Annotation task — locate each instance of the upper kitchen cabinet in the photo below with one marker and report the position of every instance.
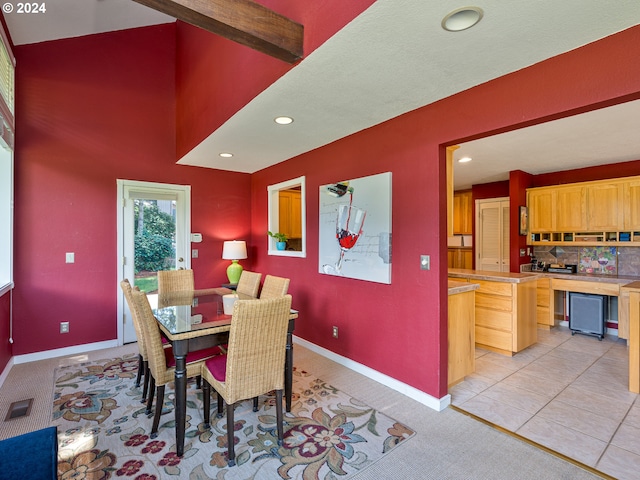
(542, 206)
(592, 213)
(290, 213)
(631, 200)
(571, 209)
(605, 206)
(463, 213)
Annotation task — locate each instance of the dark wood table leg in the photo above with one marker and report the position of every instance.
(288, 372)
(180, 349)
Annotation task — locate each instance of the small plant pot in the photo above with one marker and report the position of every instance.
(281, 245)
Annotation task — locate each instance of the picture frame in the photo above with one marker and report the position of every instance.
(524, 220)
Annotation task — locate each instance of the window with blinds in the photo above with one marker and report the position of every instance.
(7, 74)
(7, 77)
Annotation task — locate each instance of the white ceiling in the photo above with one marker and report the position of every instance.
(391, 59)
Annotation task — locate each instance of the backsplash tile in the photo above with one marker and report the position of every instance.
(627, 258)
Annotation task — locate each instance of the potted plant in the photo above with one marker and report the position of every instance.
(281, 239)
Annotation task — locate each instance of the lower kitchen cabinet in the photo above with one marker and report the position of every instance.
(544, 314)
(460, 257)
(461, 333)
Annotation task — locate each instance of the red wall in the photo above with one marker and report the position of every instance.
(399, 329)
(92, 110)
(217, 77)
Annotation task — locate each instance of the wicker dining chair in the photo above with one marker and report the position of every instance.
(143, 363)
(274, 287)
(249, 283)
(161, 365)
(254, 363)
(175, 281)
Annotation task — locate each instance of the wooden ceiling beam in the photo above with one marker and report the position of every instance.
(242, 21)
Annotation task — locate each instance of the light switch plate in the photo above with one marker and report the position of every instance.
(70, 257)
(425, 262)
(194, 253)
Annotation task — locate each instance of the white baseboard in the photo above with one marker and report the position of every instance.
(5, 372)
(61, 352)
(437, 404)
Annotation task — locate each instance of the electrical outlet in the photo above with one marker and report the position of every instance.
(335, 332)
(64, 327)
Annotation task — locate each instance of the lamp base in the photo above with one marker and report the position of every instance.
(234, 271)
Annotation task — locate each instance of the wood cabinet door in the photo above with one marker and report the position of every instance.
(571, 209)
(605, 210)
(631, 192)
(296, 215)
(462, 213)
(541, 205)
(451, 258)
(467, 259)
(285, 213)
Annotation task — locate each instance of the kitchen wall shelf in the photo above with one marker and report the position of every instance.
(627, 238)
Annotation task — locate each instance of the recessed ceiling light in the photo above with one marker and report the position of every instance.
(462, 18)
(226, 155)
(283, 120)
(464, 160)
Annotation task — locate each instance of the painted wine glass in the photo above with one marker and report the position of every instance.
(602, 260)
(349, 225)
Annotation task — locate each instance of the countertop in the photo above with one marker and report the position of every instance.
(632, 286)
(506, 277)
(461, 287)
(590, 277)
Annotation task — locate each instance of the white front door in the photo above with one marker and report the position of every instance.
(154, 223)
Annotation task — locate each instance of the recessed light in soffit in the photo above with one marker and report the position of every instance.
(462, 18)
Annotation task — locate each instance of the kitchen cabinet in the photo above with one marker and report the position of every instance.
(605, 202)
(505, 310)
(603, 212)
(461, 331)
(631, 200)
(460, 257)
(290, 213)
(542, 205)
(463, 213)
(571, 209)
(544, 316)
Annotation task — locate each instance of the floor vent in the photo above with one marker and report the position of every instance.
(19, 409)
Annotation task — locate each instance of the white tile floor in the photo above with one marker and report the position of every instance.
(567, 393)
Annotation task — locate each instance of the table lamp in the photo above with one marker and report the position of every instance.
(234, 250)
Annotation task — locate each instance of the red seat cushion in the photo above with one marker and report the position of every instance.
(218, 367)
(192, 357)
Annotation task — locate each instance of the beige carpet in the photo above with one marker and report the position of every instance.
(447, 444)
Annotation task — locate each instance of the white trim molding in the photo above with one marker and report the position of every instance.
(434, 403)
(61, 352)
(5, 372)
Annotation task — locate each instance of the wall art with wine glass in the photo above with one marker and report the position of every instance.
(355, 228)
(598, 260)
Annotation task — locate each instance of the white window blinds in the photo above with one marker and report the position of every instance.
(7, 77)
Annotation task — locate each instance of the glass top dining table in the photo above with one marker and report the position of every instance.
(192, 320)
(187, 314)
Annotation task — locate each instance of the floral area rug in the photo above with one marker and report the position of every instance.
(103, 431)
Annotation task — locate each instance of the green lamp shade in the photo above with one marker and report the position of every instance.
(234, 271)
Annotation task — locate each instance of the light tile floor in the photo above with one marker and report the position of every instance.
(567, 393)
